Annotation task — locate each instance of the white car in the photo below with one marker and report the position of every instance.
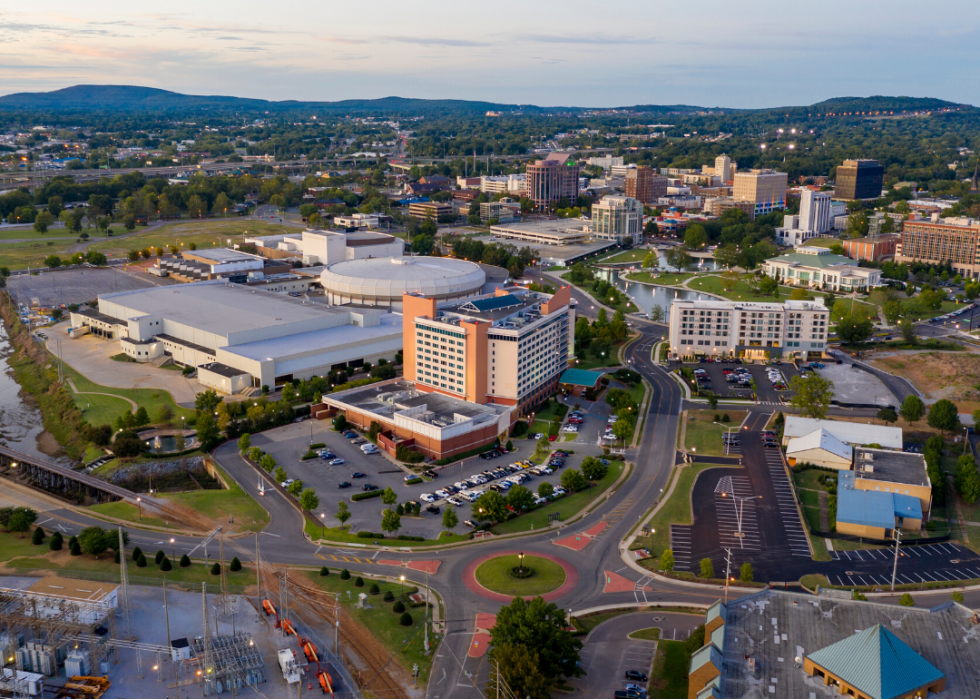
(540, 501)
(288, 482)
(454, 502)
(427, 497)
(369, 449)
(475, 495)
(539, 435)
(558, 490)
(545, 470)
(337, 462)
(460, 485)
(442, 494)
(570, 429)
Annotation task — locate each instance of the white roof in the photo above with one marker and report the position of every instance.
(820, 439)
(390, 277)
(848, 432)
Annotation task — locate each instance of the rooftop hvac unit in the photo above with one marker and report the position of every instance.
(868, 468)
(868, 456)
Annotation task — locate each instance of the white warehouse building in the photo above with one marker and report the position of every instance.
(240, 337)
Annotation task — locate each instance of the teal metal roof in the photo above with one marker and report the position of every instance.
(705, 655)
(493, 303)
(580, 377)
(819, 261)
(718, 609)
(878, 663)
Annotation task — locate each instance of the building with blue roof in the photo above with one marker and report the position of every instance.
(874, 514)
(577, 381)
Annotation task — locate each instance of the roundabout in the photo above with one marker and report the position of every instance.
(510, 574)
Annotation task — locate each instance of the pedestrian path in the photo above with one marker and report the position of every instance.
(579, 541)
(790, 515)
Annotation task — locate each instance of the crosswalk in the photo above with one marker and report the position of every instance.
(792, 526)
(769, 402)
(738, 527)
(617, 514)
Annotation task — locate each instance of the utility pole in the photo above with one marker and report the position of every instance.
(258, 567)
(426, 646)
(728, 570)
(336, 628)
(898, 540)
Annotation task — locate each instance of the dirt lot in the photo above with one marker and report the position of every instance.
(952, 375)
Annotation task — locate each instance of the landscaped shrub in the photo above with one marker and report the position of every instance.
(159, 557)
(166, 565)
(388, 596)
(55, 543)
(367, 495)
(38, 537)
(398, 607)
(137, 552)
(216, 569)
(359, 581)
(75, 550)
(374, 589)
(141, 561)
(72, 541)
(324, 572)
(345, 574)
(405, 619)
(236, 565)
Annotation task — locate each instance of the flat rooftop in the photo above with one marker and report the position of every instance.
(385, 399)
(318, 340)
(890, 466)
(219, 307)
(774, 628)
(494, 308)
(553, 228)
(854, 433)
(221, 255)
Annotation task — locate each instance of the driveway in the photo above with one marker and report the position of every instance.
(90, 356)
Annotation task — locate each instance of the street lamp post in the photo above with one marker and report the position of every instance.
(520, 562)
(739, 504)
(139, 505)
(323, 526)
(401, 587)
(172, 553)
(729, 432)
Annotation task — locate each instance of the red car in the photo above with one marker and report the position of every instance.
(552, 438)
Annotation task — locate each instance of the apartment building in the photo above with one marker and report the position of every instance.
(606, 162)
(859, 179)
(551, 179)
(503, 211)
(716, 206)
(765, 188)
(872, 247)
(821, 269)
(941, 240)
(723, 168)
(816, 209)
(507, 348)
(753, 330)
(645, 185)
(618, 218)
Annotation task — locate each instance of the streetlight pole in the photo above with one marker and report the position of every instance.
(139, 505)
(739, 505)
(401, 588)
(323, 526)
(172, 553)
(729, 432)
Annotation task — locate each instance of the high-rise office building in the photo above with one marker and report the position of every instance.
(723, 168)
(941, 240)
(618, 218)
(815, 211)
(859, 179)
(645, 185)
(765, 188)
(551, 179)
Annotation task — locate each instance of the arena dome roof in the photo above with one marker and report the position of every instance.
(389, 277)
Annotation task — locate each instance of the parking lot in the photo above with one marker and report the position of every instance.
(765, 390)
(942, 562)
(593, 425)
(287, 444)
(74, 286)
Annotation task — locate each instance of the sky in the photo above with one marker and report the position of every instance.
(568, 53)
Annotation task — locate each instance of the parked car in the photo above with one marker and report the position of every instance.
(636, 675)
(469, 523)
(369, 487)
(434, 509)
(358, 474)
(427, 497)
(345, 484)
(337, 462)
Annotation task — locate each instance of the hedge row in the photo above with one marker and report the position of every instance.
(367, 495)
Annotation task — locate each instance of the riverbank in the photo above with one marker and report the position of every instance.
(37, 374)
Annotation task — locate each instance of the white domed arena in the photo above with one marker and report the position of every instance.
(382, 281)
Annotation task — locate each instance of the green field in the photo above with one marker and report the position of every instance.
(822, 242)
(126, 511)
(340, 535)
(677, 509)
(495, 576)
(567, 507)
(662, 279)
(221, 504)
(668, 679)
(405, 643)
(100, 410)
(205, 233)
(626, 256)
(646, 635)
(703, 436)
(24, 255)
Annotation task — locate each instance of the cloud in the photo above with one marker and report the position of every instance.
(594, 40)
(434, 41)
(341, 40)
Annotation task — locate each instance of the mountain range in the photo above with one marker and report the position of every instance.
(136, 99)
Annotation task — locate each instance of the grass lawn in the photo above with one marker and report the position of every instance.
(810, 498)
(822, 242)
(662, 279)
(626, 306)
(126, 511)
(220, 504)
(677, 509)
(24, 255)
(590, 361)
(100, 410)
(703, 436)
(668, 679)
(495, 575)
(341, 535)
(567, 507)
(205, 233)
(626, 256)
(404, 642)
(646, 635)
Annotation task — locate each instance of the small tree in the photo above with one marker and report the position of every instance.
(280, 474)
(405, 619)
(745, 573)
(142, 417)
(944, 416)
(958, 597)
(166, 565)
(545, 490)
(510, 445)
(137, 552)
(390, 522)
(56, 541)
(906, 600)
(38, 538)
(75, 549)
(667, 561)
(140, 562)
(159, 557)
(389, 497)
(374, 589)
(216, 569)
(324, 572)
(449, 518)
(358, 581)
(713, 401)
(343, 512)
(912, 409)
(185, 561)
(345, 574)
(309, 500)
(244, 442)
(707, 568)
(398, 607)
(236, 565)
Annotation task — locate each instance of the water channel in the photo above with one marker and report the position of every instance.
(646, 296)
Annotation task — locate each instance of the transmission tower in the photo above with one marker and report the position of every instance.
(124, 589)
(224, 603)
(283, 601)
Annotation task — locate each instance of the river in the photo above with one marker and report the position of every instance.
(21, 423)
